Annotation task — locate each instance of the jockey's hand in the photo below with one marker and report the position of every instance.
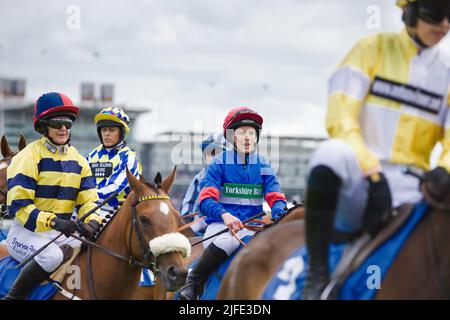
(437, 183)
(379, 203)
(89, 230)
(267, 219)
(277, 215)
(233, 223)
(67, 227)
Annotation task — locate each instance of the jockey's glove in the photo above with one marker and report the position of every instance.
(379, 203)
(67, 227)
(437, 183)
(278, 214)
(89, 230)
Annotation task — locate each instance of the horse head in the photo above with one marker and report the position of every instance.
(7, 154)
(157, 221)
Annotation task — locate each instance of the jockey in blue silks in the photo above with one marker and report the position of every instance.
(236, 184)
(213, 144)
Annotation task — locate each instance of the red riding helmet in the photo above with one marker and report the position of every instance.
(242, 116)
(51, 105)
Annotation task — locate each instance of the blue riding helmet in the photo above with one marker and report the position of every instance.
(214, 142)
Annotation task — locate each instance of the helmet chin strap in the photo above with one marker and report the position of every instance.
(413, 34)
(118, 144)
(419, 42)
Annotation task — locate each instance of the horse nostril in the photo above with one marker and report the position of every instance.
(174, 273)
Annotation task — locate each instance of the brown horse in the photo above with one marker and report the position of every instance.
(142, 232)
(7, 154)
(421, 269)
(254, 265)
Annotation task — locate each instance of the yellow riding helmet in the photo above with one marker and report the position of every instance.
(113, 114)
(402, 3)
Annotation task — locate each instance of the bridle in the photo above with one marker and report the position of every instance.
(3, 206)
(148, 263)
(149, 259)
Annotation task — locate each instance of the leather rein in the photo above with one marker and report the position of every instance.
(149, 261)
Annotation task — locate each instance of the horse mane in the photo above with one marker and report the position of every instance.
(153, 186)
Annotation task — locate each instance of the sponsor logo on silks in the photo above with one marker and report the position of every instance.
(102, 169)
(245, 191)
(407, 94)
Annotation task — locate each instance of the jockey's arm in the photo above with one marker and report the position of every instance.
(118, 180)
(444, 160)
(272, 191)
(210, 192)
(189, 200)
(22, 177)
(87, 197)
(348, 87)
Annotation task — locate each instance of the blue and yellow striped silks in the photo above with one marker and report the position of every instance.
(44, 182)
(112, 176)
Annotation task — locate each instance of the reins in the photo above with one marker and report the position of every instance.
(147, 263)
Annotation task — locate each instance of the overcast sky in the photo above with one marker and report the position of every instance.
(189, 61)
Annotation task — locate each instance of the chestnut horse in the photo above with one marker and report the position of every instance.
(7, 154)
(253, 266)
(295, 213)
(144, 232)
(421, 269)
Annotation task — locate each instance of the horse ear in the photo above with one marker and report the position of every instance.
(22, 142)
(133, 181)
(167, 182)
(158, 179)
(142, 179)
(6, 150)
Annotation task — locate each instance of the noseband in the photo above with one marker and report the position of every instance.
(145, 249)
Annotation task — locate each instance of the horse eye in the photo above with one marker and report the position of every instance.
(144, 220)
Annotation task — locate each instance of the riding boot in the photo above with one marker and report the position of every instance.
(321, 199)
(29, 277)
(210, 259)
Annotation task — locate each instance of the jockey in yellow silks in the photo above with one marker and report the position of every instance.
(46, 181)
(388, 106)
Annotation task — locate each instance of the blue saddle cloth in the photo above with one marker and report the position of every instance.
(287, 282)
(8, 275)
(3, 234)
(212, 284)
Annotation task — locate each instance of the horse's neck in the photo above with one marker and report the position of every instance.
(440, 235)
(114, 235)
(430, 240)
(120, 277)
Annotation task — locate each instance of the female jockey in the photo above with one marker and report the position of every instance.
(213, 144)
(237, 182)
(46, 181)
(110, 159)
(387, 109)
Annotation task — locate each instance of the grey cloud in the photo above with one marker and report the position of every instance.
(195, 59)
